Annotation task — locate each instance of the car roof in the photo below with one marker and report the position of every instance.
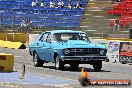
(65, 31)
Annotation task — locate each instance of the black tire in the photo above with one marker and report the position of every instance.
(37, 62)
(74, 65)
(97, 66)
(123, 62)
(59, 65)
(84, 81)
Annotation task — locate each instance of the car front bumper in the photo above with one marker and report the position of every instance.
(83, 58)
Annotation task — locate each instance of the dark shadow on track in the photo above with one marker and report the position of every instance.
(68, 68)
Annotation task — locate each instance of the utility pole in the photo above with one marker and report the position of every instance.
(1, 16)
(14, 17)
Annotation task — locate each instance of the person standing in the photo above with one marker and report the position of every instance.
(37, 3)
(42, 4)
(60, 4)
(116, 25)
(26, 24)
(78, 5)
(33, 3)
(69, 4)
(52, 4)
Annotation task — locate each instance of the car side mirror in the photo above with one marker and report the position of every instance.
(89, 41)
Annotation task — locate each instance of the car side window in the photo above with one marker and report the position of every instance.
(84, 37)
(43, 38)
(49, 38)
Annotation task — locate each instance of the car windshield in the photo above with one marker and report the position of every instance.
(70, 36)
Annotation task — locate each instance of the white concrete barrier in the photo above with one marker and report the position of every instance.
(112, 48)
(33, 37)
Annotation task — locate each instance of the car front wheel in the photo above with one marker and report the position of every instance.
(74, 65)
(97, 65)
(58, 63)
(36, 60)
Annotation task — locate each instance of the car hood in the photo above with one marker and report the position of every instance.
(77, 44)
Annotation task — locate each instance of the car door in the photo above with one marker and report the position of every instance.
(41, 46)
(48, 47)
(44, 44)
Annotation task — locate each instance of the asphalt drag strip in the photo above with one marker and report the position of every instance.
(14, 77)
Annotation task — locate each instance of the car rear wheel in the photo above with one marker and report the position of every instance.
(36, 60)
(58, 63)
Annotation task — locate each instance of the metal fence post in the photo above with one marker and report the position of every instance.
(14, 17)
(1, 16)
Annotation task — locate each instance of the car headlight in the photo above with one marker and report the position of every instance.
(66, 51)
(102, 52)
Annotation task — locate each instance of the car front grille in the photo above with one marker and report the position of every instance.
(84, 51)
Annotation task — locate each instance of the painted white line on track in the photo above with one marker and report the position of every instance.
(51, 85)
(63, 86)
(18, 56)
(58, 86)
(117, 64)
(26, 83)
(9, 84)
(12, 83)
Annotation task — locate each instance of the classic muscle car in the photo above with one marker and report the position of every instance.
(67, 47)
